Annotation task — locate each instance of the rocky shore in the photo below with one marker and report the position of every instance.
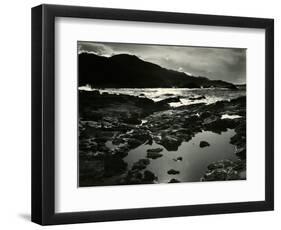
(111, 125)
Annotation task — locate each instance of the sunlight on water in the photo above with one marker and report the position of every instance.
(187, 96)
(227, 116)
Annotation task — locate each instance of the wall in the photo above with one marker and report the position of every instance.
(15, 114)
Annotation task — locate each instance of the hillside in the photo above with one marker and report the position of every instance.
(129, 71)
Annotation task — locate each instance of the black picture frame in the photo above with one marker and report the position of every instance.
(43, 114)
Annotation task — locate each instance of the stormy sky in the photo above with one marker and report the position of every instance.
(226, 64)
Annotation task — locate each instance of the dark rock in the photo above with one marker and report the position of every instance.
(95, 155)
(118, 141)
(170, 143)
(88, 145)
(114, 165)
(133, 143)
(220, 164)
(93, 124)
(121, 151)
(204, 144)
(224, 170)
(154, 153)
(191, 120)
(239, 140)
(221, 125)
(233, 175)
(197, 98)
(210, 119)
(169, 100)
(184, 131)
(141, 164)
(193, 124)
(205, 115)
(178, 159)
(241, 152)
(150, 141)
(90, 172)
(140, 134)
(156, 150)
(148, 176)
(135, 176)
(132, 120)
(222, 174)
(168, 94)
(239, 100)
(133, 139)
(173, 172)
(132, 177)
(95, 92)
(215, 175)
(174, 181)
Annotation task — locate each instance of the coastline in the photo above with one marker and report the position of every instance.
(127, 122)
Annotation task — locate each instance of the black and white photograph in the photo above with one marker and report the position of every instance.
(147, 113)
(150, 114)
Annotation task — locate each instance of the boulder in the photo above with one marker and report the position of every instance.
(204, 144)
(156, 150)
(173, 172)
(133, 143)
(154, 155)
(170, 143)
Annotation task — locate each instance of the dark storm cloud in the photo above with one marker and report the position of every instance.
(226, 64)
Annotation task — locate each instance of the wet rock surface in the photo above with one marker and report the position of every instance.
(111, 125)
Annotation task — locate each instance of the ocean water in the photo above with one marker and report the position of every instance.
(187, 96)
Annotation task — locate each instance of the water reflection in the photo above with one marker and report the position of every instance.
(194, 160)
